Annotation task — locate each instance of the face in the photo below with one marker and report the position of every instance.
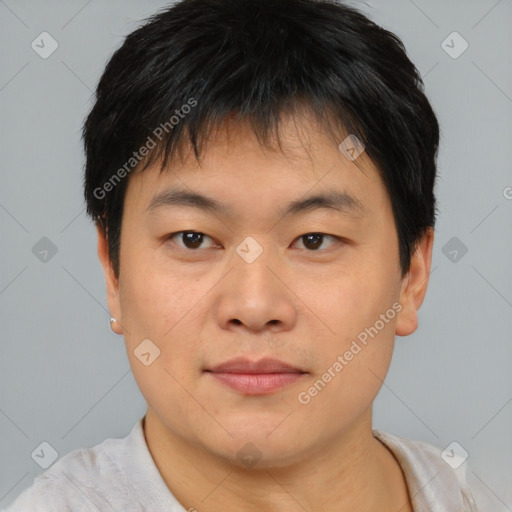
(261, 272)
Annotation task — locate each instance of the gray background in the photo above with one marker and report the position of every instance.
(65, 378)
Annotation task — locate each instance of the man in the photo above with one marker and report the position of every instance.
(261, 175)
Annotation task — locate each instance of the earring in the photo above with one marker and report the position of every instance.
(112, 326)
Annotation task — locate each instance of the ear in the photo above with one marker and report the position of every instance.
(111, 280)
(414, 285)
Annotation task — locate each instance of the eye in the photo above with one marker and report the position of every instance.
(312, 241)
(192, 240)
(189, 239)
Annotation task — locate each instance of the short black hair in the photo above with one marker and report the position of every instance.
(195, 63)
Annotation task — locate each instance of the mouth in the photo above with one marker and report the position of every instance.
(256, 377)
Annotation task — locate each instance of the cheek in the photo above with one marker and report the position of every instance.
(351, 375)
(167, 308)
(168, 313)
(354, 300)
(360, 310)
(153, 297)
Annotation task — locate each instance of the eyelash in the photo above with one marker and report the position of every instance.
(334, 237)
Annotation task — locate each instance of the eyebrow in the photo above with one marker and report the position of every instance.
(340, 201)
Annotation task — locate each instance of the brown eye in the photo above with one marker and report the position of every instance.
(189, 239)
(312, 241)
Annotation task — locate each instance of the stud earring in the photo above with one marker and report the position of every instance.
(112, 326)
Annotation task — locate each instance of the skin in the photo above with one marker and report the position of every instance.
(204, 306)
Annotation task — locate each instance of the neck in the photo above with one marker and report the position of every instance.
(354, 472)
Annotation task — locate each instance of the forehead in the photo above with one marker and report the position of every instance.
(307, 170)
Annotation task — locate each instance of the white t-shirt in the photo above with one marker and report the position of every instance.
(120, 475)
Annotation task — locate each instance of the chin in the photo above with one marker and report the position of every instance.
(259, 444)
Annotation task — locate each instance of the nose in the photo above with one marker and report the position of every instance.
(256, 295)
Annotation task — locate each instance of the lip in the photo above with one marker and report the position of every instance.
(245, 365)
(256, 377)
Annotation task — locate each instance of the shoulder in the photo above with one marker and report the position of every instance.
(440, 479)
(83, 479)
